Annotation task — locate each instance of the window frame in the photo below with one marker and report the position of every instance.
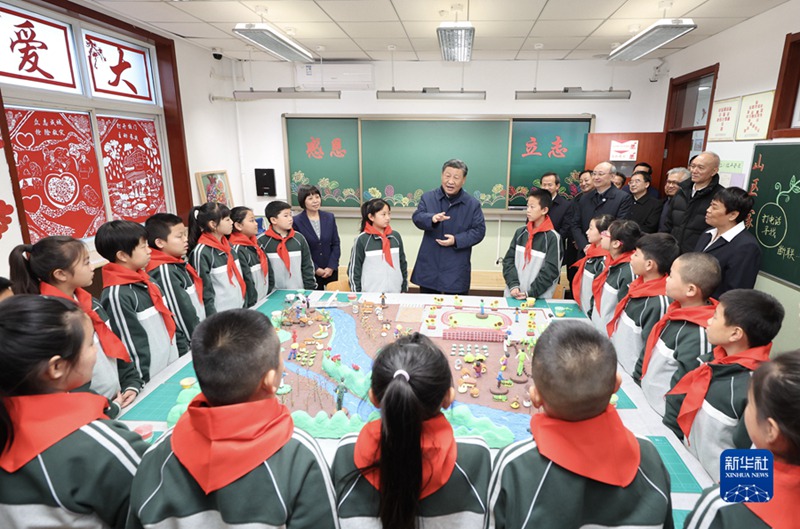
(787, 91)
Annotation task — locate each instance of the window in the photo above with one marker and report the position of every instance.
(785, 119)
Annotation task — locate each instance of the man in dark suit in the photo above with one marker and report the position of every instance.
(646, 209)
(674, 178)
(604, 198)
(561, 210)
(728, 240)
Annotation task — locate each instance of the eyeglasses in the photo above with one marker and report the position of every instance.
(672, 183)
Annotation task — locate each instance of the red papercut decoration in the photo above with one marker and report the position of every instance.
(313, 149)
(57, 171)
(557, 150)
(5, 216)
(336, 148)
(27, 45)
(531, 148)
(132, 165)
(119, 68)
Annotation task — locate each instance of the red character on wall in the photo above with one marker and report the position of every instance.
(29, 48)
(558, 150)
(336, 148)
(119, 68)
(531, 148)
(314, 150)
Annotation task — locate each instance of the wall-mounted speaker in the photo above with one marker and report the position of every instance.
(265, 182)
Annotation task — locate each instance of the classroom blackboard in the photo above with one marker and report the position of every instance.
(324, 152)
(775, 220)
(402, 158)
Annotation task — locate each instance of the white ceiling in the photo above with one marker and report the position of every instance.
(352, 30)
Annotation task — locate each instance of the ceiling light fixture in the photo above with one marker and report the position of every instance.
(270, 39)
(572, 92)
(653, 37)
(431, 93)
(455, 40)
(285, 93)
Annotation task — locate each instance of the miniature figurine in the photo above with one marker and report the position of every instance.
(341, 389)
(293, 351)
(521, 357)
(478, 367)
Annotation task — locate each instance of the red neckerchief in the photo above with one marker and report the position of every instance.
(546, 225)
(594, 251)
(157, 258)
(386, 246)
(696, 382)
(40, 421)
(114, 274)
(697, 315)
(220, 444)
(600, 448)
(283, 253)
(112, 345)
(224, 246)
(781, 510)
(639, 288)
(439, 453)
(600, 280)
(243, 240)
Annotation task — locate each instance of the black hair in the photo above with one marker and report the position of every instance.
(159, 226)
(551, 173)
(625, 231)
(238, 214)
(201, 216)
(304, 191)
(776, 392)
(455, 164)
(757, 313)
(232, 350)
(543, 197)
(45, 257)
(5, 284)
(574, 368)
(702, 270)
(405, 404)
(33, 329)
(602, 221)
(372, 207)
(662, 248)
(118, 236)
(735, 199)
(649, 167)
(647, 177)
(274, 209)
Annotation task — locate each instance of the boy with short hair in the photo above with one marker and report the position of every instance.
(611, 284)
(646, 300)
(135, 306)
(711, 414)
(234, 457)
(532, 264)
(679, 337)
(5, 288)
(290, 264)
(583, 467)
(178, 280)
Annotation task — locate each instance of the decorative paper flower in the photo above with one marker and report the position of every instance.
(5, 216)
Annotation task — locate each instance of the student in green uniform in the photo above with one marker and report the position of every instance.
(255, 266)
(59, 266)
(234, 457)
(178, 280)
(212, 256)
(611, 284)
(378, 260)
(134, 303)
(582, 467)
(711, 398)
(290, 263)
(646, 301)
(591, 264)
(406, 469)
(679, 338)
(62, 464)
(532, 264)
(772, 418)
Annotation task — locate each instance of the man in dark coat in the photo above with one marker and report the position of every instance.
(646, 209)
(604, 198)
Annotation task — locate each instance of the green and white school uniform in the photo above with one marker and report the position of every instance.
(378, 262)
(533, 260)
(608, 288)
(588, 268)
(219, 268)
(255, 267)
(290, 264)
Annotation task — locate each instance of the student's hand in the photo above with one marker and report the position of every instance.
(449, 239)
(439, 217)
(518, 294)
(125, 399)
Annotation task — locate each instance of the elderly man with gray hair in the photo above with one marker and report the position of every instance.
(674, 178)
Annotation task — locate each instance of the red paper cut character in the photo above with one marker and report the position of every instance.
(119, 68)
(313, 149)
(28, 47)
(557, 150)
(530, 148)
(336, 148)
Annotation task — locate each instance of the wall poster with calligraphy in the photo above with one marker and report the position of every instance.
(754, 116)
(775, 219)
(132, 167)
(724, 114)
(539, 146)
(118, 69)
(324, 152)
(58, 173)
(37, 51)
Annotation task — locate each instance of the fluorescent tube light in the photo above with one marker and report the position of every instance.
(285, 93)
(455, 40)
(430, 93)
(664, 31)
(270, 39)
(573, 92)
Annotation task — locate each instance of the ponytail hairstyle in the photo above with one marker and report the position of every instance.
(33, 329)
(44, 258)
(776, 392)
(371, 207)
(405, 404)
(201, 216)
(238, 214)
(602, 221)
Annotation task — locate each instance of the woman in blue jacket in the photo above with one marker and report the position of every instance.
(319, 229)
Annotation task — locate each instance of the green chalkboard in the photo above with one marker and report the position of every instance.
(543, 145)
(775, 184)
(324, 152)
(402, 158)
